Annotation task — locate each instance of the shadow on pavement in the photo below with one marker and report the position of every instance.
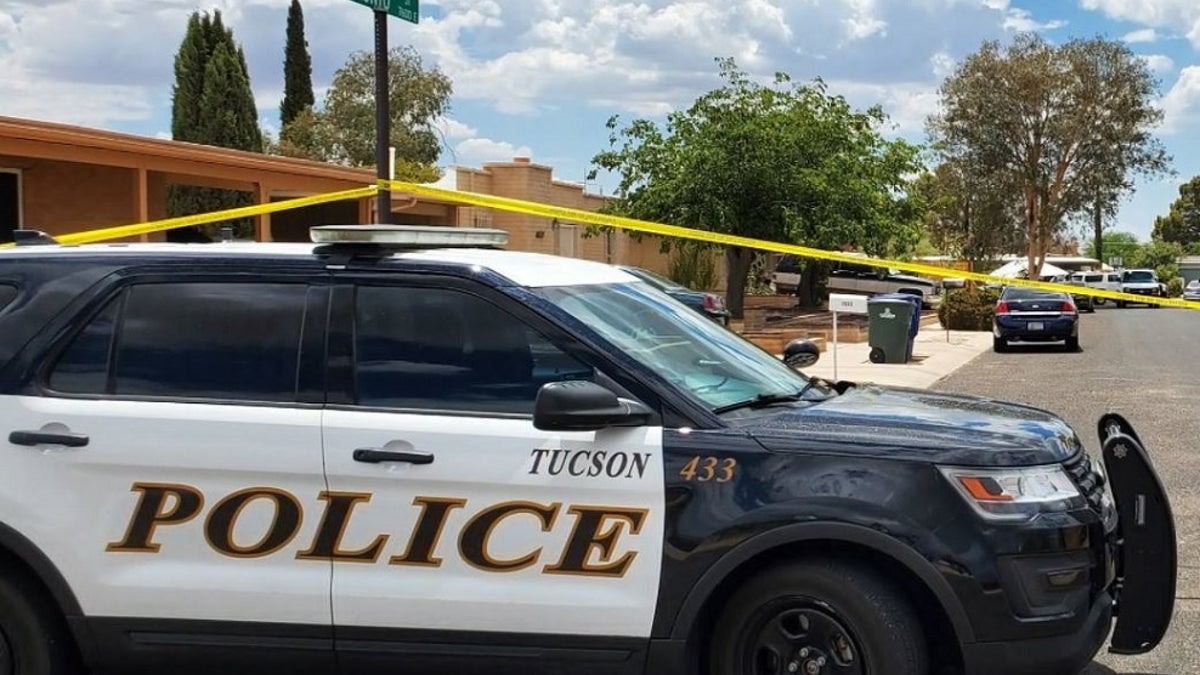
(1040, 348)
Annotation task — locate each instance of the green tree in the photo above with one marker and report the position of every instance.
(1160, 256)
(213, 104)
(1182, 224)
(1067, 125)
(297, 68)
(1122, 245)
(967, 217)
(782, 162)
(343, 131)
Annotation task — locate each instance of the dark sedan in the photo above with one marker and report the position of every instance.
(1029, 315)
(708, 304)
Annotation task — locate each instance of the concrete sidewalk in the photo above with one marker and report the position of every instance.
(934, 357)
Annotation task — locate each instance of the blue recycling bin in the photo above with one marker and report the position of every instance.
(885, 340)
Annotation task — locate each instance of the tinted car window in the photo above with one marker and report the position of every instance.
(204, 340)
(437, 349)
(8, 293)
(233, 341)
(1020, 293)
(83, 366)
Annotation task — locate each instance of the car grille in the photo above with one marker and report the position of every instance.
(1090, 482)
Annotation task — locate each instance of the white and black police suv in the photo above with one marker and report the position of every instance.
(405, 450)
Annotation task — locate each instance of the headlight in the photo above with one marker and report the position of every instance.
(1016, 494)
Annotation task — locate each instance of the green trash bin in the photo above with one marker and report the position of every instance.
(889, 321)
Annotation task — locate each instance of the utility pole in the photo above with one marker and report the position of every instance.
(383, 199)
(1098, 222)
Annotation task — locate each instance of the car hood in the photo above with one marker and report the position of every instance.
(919, 425)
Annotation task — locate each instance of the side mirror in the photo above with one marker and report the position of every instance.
(581, 405)
(801, 353)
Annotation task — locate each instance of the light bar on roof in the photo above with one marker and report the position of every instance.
(412, 236)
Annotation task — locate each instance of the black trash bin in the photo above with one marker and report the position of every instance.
(893, 320)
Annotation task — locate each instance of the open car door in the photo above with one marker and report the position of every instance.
(1146, 555)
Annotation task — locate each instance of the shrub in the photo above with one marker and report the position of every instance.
(968, 309)
(1175, 287)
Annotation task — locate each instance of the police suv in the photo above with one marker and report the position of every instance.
(406, 450)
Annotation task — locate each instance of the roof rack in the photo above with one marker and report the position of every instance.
(408, 236)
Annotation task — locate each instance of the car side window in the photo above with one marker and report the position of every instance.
(209, 340)
(447, 350)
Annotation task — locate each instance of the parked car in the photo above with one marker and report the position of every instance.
(1032, 315)
(860, 280)
(1192, 290)
(1085, 303)
(1141, 282)
(708, 304)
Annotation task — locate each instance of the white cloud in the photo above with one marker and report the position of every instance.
(476, 151)
(1174, 15)
(1020, 20)
(1159, 63)
(1181, 104)
(908, 104)
(943, 64)
(1143, 35)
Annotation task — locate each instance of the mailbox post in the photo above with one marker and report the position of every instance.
(847, 303)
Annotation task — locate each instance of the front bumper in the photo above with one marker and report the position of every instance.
(1058, 585)
(1057, 655)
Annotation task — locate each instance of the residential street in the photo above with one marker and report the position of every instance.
(1143, 363)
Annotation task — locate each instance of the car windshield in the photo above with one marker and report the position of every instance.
(707, 361)
(1139, 276)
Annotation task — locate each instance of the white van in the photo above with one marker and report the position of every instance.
(1108, 281)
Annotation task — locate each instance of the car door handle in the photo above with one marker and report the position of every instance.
(32, 438)
(373, 456)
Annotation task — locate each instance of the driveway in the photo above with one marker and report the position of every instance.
(1145, 364)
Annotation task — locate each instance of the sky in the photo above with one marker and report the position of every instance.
(539, 78)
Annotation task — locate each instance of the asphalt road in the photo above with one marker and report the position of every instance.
(1143, 363)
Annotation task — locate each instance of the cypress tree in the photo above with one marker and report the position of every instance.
(213, 104)
(297, 68)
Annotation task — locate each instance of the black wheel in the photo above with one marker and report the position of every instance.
(823, 617)
(1121, 304)
(33, 637)
(877, 355)
(1073, 344)
(999, 344)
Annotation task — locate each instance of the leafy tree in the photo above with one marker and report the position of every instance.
(343, 131)
(212, 103)
(1067, 125)
(966, 216)
(782, 162)
(1120, 244)
(1182, 224)
(297, 68)
(1160, 256)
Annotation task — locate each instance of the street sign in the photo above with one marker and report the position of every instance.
(401, 9)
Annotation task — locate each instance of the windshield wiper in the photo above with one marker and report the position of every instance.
(769, 399)
(760, 401)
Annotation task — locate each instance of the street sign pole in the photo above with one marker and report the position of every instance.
(382, 118)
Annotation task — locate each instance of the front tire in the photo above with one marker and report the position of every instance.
(33, 638)
(824, 616)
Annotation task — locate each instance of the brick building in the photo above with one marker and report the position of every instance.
(60, 179)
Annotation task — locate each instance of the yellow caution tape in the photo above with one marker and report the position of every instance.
(138, 229)
(593, 218)
(589, 217)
